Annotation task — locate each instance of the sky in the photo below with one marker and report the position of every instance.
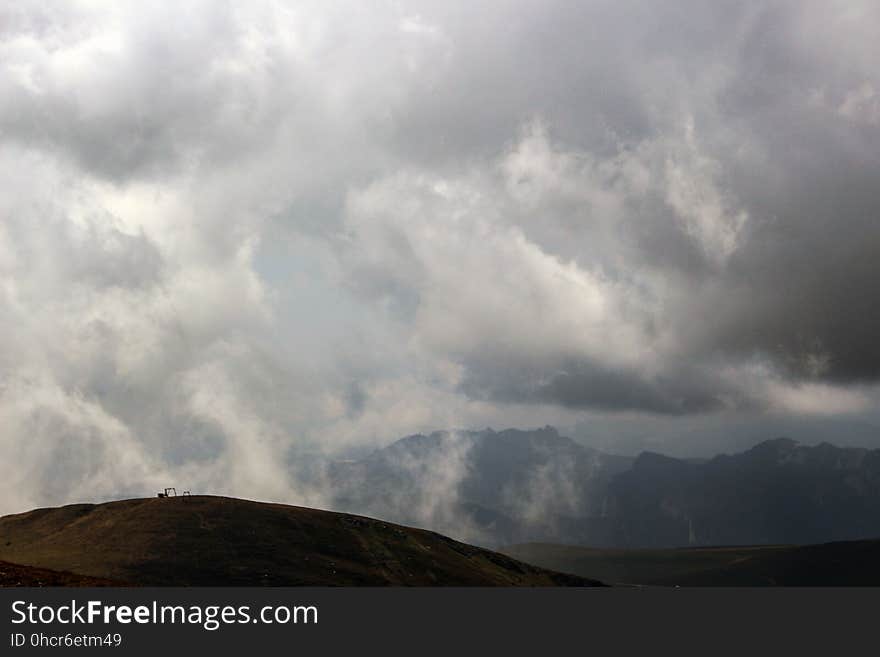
(235, 235)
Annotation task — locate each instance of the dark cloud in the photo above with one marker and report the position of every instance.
(232, 233)
(587, 385)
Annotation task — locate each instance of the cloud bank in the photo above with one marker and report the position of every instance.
(234, 234)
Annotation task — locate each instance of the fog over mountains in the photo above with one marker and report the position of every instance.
(517, 486)
(240, 237)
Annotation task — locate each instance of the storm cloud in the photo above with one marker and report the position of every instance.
(234, 234)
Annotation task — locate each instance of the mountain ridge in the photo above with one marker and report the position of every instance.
(513, 486)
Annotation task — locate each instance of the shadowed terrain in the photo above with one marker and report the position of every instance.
(13, 574)
(846, 563)
(206, 541)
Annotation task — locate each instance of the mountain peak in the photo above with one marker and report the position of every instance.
(775, 449)
(655, 460)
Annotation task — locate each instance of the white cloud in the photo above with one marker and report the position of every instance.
(229, 233)
(816, 399)
(861, 105)
(481, 285)
(692, 189)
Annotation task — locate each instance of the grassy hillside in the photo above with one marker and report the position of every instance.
(13, 574)
(204, 541)
(847, 563)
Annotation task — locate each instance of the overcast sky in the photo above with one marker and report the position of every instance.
(232, 233)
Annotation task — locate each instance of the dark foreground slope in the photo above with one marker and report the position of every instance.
(845, 563)
(206, 541)
(13, 574)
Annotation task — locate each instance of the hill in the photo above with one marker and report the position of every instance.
(13, 575)
(847, 563)
(206, 541)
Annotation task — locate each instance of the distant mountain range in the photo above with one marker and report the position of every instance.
(513, 486)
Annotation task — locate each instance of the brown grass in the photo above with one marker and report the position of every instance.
(208, 541)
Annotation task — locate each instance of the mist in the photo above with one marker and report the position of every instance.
(239, 240)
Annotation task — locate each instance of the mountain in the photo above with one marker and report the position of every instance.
(484, 486)
(848, 563)
(499, 488)
(207, 541)
(776, 492)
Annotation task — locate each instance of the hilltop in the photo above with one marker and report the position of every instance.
(207, 541)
